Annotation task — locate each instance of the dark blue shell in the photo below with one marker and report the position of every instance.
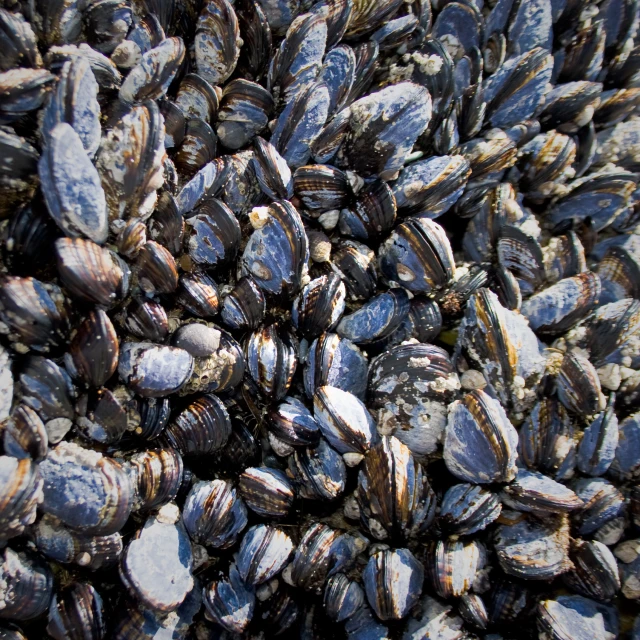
(272, 172)
(75, 102)
(418, 256)
(517, 88)
(88, 492)
(363, 625)
(277, 253)
(337, 362)
(612, 330)
(383, 127)
(263, 552)
(301, 123)
(597, 448)
(141, 622)
(393, 583)
(342, 597)
(431, 186)
(531, 27)
(338, 73)
(376, 318)
(571, 617)
(626, 464)
(71, 186)
(468, 508)
(293, 423)
(558, 307)
(602, 198)
(214, 514)
(207, 182)
(319, 472)
(536, 493)
(230, 602)
(462, 23)
(547, 440)
(602, 503)
(533, 549)
(480, 442)
(296, 63)
(215, 234)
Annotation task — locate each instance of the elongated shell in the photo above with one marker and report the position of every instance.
(319, 306)
(579, 385)
(297, 62)
(480, 442)
(230, 603)
(75, 102)
(559, 307)
(28, 584)
(595, 571)
(547, 440)
(518, 87)
(377, 319)
(130, 162)
(271, 360)
(217, 41)
(342, 597)
(94, 349)
(335, 361)
(34, 313)
(383, 127)
(394, 495)
(151, 77)
(452, 566)
(22, 492)
(71, 186)
(393, 583)
(278, 251)
(300, 124)
(76, 613)
(319, 472)
(25, 435)
(292, 423)
(599, 443)
(322, 552)
(344, 420)
(263, 553)
(90, 272)
(503, 347)
(531, 491)
(431, 186)
(157, 476)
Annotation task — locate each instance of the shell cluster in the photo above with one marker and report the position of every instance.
(320, 318)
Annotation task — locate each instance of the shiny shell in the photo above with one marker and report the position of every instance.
(393, 583)
(214, 514)
(394, 495)
(266, 491)
(480, 442)
(263, 553)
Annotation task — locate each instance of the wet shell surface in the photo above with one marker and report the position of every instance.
(320, 319)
